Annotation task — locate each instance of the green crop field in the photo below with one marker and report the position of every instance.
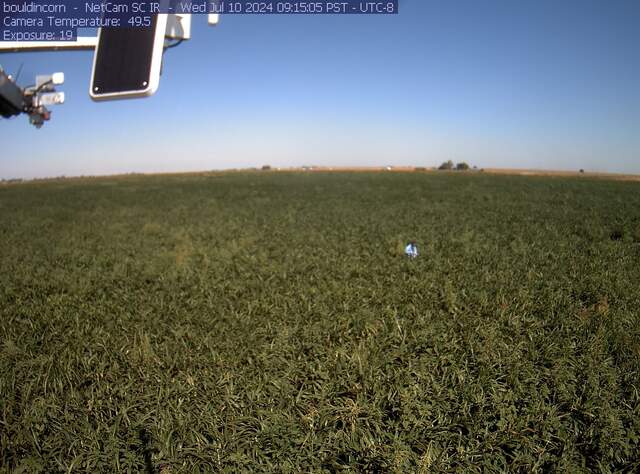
(269, 322)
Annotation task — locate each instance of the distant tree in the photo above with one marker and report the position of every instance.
(462, 166)
(447, 165)
(581, 170)
(266, 167)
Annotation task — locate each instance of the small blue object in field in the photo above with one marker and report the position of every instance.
(411, 250)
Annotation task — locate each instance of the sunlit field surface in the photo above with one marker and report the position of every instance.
(269, 322)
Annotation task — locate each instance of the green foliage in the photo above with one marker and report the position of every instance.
(447, 165)
(635, 232)
(462, 166)
(271, 323)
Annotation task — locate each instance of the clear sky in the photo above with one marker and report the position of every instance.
(551, 84)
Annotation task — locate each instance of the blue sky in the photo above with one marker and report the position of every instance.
(518, 84)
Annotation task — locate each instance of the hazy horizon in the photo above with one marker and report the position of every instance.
(527, 85)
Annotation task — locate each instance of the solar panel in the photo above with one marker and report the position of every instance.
(127, 61)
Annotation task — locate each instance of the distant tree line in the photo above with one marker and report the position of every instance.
(449, 165)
